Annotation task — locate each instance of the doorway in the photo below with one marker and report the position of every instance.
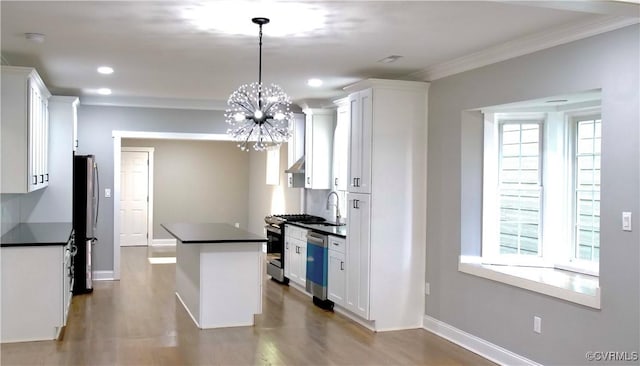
(136, 198)
(117, 153)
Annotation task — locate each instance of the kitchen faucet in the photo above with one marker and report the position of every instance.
(337, 205)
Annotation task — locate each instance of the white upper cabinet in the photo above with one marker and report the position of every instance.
(361, 121)
(295, 151)
(318, 140)
(55, 203)
(341, 146)
(25, 130)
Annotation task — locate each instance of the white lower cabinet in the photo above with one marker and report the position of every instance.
(296, 255)
(358, 250)
(336, 276)
(35, 297)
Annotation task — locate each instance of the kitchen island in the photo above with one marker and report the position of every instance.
(219, 271)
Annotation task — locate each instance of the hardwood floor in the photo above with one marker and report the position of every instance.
(138, 321)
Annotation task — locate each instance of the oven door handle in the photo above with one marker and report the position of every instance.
(271, 229)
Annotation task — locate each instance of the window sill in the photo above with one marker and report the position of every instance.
(574, 287)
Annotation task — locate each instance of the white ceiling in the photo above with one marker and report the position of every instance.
(158, 51)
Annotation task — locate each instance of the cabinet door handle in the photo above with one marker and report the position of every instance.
(290, 180)
(47, 177)
(336, 244)
(355, 204)
(342, 266)
(308, 180)
(335, 182)
(354, 182)
(41, 178)
(76, 144)
(35, 179)
(358, 182)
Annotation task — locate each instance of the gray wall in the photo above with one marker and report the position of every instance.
(500, 313)
(197, 181)
(95, 127)
(10, 215)
(269, 199)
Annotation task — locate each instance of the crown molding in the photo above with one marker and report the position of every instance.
(386, 83)
(524, 46)
(151, 102)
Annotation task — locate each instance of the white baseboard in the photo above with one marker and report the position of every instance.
(365, 323)
(103, 275)
(474, 344)
(163, 242)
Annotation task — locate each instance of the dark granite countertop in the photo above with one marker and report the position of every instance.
(214, 233)
(37, 234)
(340, 231)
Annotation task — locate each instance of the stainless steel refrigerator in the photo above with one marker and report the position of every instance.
(86, 202)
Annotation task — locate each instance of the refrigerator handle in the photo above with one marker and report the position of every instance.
(97, 192)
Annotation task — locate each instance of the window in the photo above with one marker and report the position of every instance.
(587, 188)
(273, 165)
(541, 193)
(520, 188)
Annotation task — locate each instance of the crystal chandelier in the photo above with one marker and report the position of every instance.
(257, 113)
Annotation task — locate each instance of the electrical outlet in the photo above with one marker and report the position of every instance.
(537, 324)
(107, 193)
(427, 288)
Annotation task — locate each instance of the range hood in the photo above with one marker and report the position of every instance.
(297, 167)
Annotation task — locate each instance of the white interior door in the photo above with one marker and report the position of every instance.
(134, 198)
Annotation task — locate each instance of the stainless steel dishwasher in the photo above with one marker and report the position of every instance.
(317, 263)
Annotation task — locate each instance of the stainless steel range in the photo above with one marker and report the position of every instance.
(275, 246)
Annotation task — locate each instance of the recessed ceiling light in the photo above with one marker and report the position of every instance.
(104, 91)
(106, 70)
(34, 37)
(314, 82)
(390, 59)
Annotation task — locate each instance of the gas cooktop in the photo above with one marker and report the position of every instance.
(302, 218)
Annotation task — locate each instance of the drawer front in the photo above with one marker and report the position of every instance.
(337, 244)
(296, 232)
(302, 234)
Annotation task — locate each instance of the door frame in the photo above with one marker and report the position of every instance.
(117, 146)
(150, 151)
